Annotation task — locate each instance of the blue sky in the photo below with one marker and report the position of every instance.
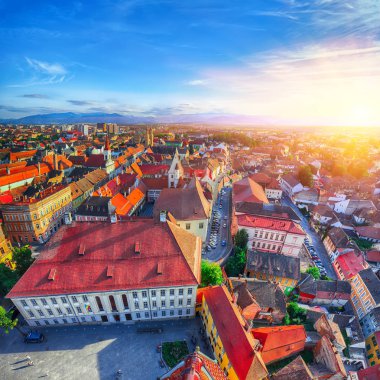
(285, 61)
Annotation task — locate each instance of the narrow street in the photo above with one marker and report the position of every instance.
(220, 252)
(314, 238)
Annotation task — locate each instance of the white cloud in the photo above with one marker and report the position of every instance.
(45, 67)
(196, 82)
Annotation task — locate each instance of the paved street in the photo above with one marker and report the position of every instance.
(220, 252)
(318, 245)
(93, 352)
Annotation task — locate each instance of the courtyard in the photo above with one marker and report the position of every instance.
(95, 352)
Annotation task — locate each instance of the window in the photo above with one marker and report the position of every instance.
(113, 303)
(162, 293)
(38, 323)
(162, 303)
(134, 294)
(104, 318)
(46, 322)
(374, 341)
(34, 302)
(74, 299)
(85, 299)
(93, 319)
(171, 313)
(79, 309)
(125, 301)
(180, 292)
(64, 320)
(69, 311)
(99, 303)
(23, 302)
(74, 320)
(31, 314)
(172, 303)
(145, 305)
(180, 302)
(136, 305)
(187, 226)
(59, 311)
(179, 312)
(188, 302)
(188, 311)
(63, 299)
(163, 313)
(43, 301)
(153, 293)
(190, 291)
(83, 319)
(172, 292)
(200, 226)
(138, 315)
(49, 311)
(56, 321)
(155, 314)
(40, 313)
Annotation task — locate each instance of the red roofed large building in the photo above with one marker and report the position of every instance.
(271, 234)
(234, 347)
(127, 271)
(348, 264)
(280, 342)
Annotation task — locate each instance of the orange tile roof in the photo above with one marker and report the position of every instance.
(27, 172)
(280, 342)
(14, 156)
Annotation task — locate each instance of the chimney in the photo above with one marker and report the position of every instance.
(8, 170)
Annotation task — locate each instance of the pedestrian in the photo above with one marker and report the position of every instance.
(28, 358)
(30, 363)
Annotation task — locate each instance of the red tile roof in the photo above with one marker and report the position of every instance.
(247, 190)
(174, 249)
(147, 169)
(25, 173)
(237, 342)
(351, 264)
(370, 373)
(280, 342)
(268, 223)
(374, 256)
(95, 161)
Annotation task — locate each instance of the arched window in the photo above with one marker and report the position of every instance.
(125, 301)
(99, 302)
(112, 302)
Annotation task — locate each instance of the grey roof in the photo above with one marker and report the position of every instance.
(290, 179)
(95, 206)
(338, 237)
(274, 264)
(372, 283)
(271, 210)
(267, 294)
(312, 286)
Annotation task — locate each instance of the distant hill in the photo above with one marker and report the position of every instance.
(70, 117)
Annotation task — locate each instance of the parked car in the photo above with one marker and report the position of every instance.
(208, 248)
(224, 243)
(34, 337)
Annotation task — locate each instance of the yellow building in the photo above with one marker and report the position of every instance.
(34, 220)
(5, 249)
(233, 346)
(372, 345)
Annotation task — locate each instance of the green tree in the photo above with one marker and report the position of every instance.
(241, 239)
(23, 259)
(305, 176)
(211, 274)
(8, 279)
(6, 322)
(236, 263)
(314, 271)
(296, 313)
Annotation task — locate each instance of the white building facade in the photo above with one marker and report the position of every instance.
(109, 307)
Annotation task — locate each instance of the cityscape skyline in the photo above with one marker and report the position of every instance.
(286, 62)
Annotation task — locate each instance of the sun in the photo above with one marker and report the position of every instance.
(362, 115)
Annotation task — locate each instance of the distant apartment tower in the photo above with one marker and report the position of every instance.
(102, 126)
(149, 136)
(113, 128)
(83, 128)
